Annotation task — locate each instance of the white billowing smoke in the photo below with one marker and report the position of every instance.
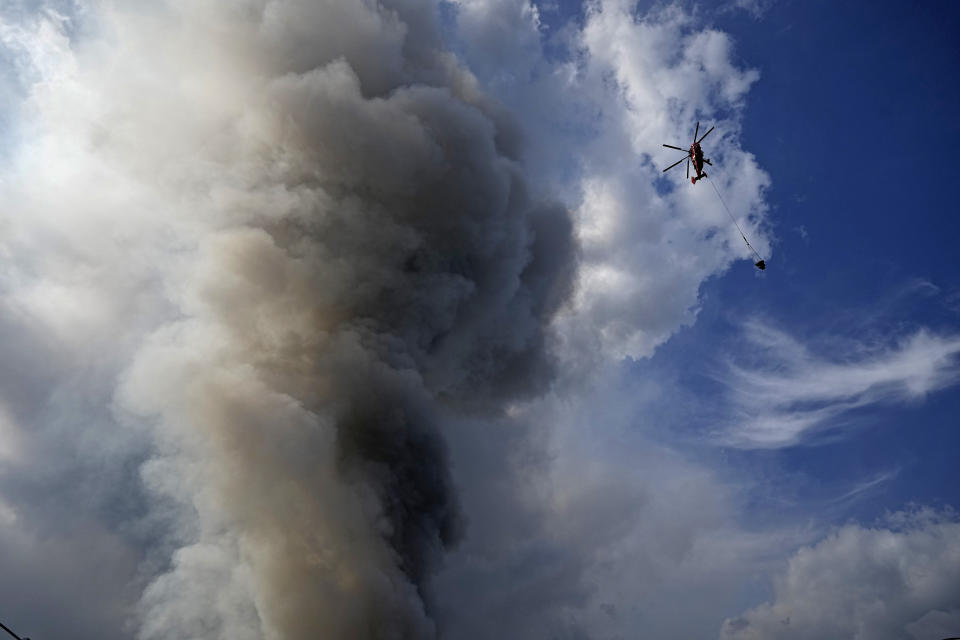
(288, 230)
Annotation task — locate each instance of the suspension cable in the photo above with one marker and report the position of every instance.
(7, 629)
(727, 209)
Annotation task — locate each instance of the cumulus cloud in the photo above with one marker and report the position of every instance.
(892, 582)
(596, 118)
(788, 390)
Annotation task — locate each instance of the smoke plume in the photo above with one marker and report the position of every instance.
(327, 226)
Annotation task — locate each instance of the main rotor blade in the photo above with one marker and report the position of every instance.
(688, 167)
(697, 131)
(675, 164)
(706, 134)
(670, 146)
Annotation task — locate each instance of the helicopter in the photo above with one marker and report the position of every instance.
(695, 153)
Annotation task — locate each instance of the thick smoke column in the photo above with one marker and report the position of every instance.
(343, 237)
(266, 262)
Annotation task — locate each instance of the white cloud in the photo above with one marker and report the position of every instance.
(887, 583)
(788, 391)
(596, 122)
(756, 8)
(864, 486)
(657, 75)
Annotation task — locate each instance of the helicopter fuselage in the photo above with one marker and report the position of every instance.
(696, 157)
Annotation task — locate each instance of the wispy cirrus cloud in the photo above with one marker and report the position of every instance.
(792, 390)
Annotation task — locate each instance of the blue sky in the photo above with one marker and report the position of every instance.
(847, 117)
(333, 319)
(850, 116)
